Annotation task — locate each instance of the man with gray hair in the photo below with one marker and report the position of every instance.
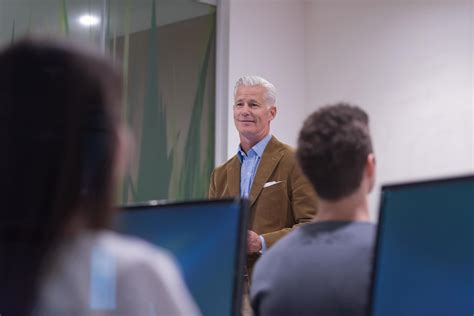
(264, 170)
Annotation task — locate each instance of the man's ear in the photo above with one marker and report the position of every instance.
(370, 170)
(273, 112)
(370, 165)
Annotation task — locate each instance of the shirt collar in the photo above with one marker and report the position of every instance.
(258, 148)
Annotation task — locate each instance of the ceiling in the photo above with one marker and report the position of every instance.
(18, 17)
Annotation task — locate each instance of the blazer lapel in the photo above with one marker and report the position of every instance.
(233, 177)
(270, 158)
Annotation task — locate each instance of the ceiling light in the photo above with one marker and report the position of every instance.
(89, 20)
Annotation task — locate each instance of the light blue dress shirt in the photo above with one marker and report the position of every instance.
(249, 164)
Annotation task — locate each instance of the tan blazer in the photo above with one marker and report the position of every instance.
(280, 197)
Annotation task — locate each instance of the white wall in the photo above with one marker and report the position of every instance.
(409, 64)
(267, 38)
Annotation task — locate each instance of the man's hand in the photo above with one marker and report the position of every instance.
(253, 242)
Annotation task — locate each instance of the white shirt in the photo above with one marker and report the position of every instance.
(103, 273)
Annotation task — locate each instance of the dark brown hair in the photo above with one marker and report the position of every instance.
(333, 146)
(59, 122)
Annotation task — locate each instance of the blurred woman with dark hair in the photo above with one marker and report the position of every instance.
(62, 147)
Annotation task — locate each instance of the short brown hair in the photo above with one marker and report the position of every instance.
(333, 146)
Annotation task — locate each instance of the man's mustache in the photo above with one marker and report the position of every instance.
(246, 119)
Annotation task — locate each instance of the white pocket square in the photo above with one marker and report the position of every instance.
(269, 184)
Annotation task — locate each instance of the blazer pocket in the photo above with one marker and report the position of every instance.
(272, 206)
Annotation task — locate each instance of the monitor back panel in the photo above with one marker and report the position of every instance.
(424, 263)
(206, 238)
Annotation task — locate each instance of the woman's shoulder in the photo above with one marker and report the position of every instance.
(133, 271)
(145, 274)
(128, 248)
(135, 256)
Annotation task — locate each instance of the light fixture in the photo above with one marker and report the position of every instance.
(89, 20)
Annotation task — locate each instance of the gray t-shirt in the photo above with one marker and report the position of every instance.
(106, 274)
(322, 268)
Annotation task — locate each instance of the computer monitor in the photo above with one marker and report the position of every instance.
(424, 259)
(208, 239)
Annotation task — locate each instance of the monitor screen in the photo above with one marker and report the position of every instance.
(424, 262)
(206, 238)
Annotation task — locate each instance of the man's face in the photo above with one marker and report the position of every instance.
(252, 116)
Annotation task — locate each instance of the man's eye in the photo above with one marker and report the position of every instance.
(253, 105)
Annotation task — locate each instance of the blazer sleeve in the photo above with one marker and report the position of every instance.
(212, 186)
(303, 204)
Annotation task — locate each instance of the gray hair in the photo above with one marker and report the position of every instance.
(251, 81)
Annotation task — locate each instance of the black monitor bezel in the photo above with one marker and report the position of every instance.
(241, 241)
(381, 222)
